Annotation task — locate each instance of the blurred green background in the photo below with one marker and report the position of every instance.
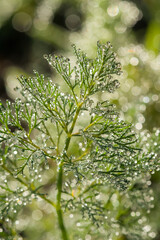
(29, 29)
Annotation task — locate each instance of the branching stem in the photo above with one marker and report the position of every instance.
(60, 178)
(28, 187)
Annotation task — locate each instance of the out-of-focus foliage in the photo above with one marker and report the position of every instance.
(152, 41)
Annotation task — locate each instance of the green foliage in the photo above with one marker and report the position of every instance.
(101, 168)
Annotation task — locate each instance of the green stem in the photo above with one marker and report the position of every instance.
(58, 205)
(29, 187)
(60, 178)
(75, 117)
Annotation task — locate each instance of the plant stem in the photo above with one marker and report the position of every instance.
(29, 188)
(58, 206)
(60, 179)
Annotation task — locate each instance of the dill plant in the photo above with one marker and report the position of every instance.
(102, 171)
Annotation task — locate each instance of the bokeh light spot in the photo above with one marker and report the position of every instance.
(72, 22)
(113, 11)
(134, 61)
(146, 99)
(138, 126)
(136, 91)
(22, 22)
(37, 215)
